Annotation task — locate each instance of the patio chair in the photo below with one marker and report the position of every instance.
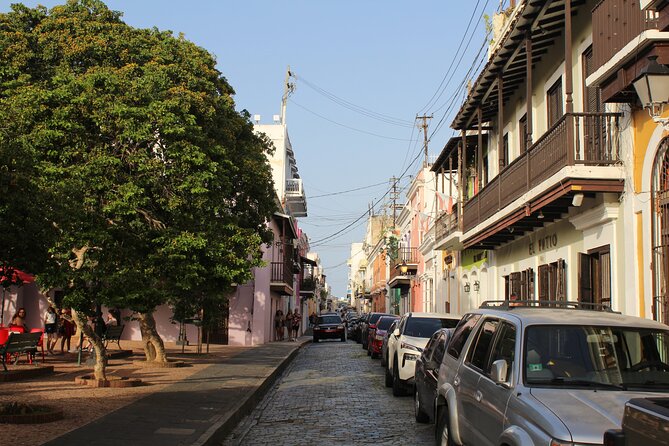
(40, 344)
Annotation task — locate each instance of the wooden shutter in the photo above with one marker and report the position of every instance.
(515, 283)
(605, 277)
(522, 128)
(593, 96)
(544, 273)
(585, 278)
(555, 111)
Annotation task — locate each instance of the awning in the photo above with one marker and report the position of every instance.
(308, 261)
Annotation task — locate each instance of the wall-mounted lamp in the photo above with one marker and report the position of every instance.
(577, 200)
(652, 86)
(477, 285)
(404, 268)
(466, 287)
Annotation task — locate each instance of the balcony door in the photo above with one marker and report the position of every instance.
(594, 125)
(554, 96)
(660, 240)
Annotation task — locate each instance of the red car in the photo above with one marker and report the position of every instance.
(376, 334)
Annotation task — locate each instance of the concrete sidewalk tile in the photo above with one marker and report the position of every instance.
(200, 410)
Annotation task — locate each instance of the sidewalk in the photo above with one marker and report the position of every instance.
(198, 410)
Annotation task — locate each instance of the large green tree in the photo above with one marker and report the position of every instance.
(148, 186)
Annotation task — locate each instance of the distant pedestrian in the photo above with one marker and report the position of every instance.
(51, 328)
(297, 319)
(66, 330)
(278, 325)
(288, 323)
(312, 319)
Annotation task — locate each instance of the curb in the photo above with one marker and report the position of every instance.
(218, 431)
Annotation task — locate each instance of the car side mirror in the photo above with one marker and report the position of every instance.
(499, 370)
(396, 333)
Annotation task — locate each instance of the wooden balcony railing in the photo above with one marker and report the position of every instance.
(594, 141)
(615, 23)
(447, 224)
(282, 272)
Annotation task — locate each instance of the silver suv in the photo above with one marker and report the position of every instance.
(530, 375)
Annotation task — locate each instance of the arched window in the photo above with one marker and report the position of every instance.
(660, 233)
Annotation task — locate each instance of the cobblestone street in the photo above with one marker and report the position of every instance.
(332, 393)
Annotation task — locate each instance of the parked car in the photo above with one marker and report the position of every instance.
(369, 324)
(351, 327)
(384, 343)
(329, 326)
(528, 374)
(376, 334)
(361, 324)
(427, 373)
(407, 342)
(645, 421)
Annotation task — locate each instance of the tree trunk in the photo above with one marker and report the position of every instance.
(153, 344)
(100, 368)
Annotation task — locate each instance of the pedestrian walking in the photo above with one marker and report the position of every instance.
(297, 319)
(278, 325)
(312, 319)
(289, 323)
(51, 329)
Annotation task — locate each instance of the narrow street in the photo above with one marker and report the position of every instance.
(332, 393)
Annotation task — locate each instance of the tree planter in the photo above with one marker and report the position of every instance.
(19, 413)
(111, 381)
(160, 365)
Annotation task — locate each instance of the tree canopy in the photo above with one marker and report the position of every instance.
(124, 166)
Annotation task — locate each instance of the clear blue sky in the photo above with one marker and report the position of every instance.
(381, 57)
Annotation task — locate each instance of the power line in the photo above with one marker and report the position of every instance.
(347, 191)
(440, 90)
(346, 126)
(356, 108)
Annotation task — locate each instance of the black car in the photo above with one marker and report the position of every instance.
(427, 373)
(329, 326)
(358, 328)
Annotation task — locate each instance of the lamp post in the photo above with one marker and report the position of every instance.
(652, 86)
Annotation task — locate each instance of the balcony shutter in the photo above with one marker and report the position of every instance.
(522, 125)
(561, 282)
(515, 283)
(555, 111)
(544, 273)
(585, 278)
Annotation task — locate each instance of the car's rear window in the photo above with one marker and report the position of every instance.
(375, 317)
(384, 323)
(329, 320)
(424, 327)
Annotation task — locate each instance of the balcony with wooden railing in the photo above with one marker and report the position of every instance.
(405, 257)
(282, 277)
(615, 23)
(447, 226)
(589, 139)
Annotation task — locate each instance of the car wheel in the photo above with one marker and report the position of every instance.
(315, 340)
(389, 378)
(419, 413)
(398, 385)
(442, 431)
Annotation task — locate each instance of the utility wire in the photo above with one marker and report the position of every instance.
(356, 108)
(346, 126)
(439, 90)
(347, 191)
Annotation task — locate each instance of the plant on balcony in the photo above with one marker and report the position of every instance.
(392, 245)
(308, 284)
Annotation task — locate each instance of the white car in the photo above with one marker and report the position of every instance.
(407, 342)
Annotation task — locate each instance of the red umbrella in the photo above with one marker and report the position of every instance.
(11, 276)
